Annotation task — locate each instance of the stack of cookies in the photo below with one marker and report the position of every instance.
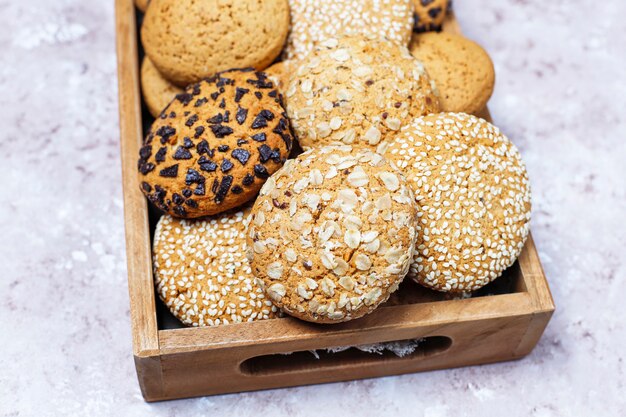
(310, 155)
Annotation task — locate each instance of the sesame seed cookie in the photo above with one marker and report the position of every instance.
(314, 21)
(192, 39)
(430, 14)
(202, 274)
(142, 4)
(473, 200)
(357, 91)
(332, 234)
(214, 145)
(157, 91)
(461, 69)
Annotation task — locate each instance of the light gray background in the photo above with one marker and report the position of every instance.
(65, 345)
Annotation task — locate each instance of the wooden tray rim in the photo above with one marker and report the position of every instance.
(149, 341)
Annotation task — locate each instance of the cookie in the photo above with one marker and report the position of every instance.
(157, 91)
(202, 274)
(188, 40)
(314, 21)
(473, 200)
(279, 73)
(461, 69)
(332, 234)
(357, 91)
(430, 14)
(214, 145)
(142, 4)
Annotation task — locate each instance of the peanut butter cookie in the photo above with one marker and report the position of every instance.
(461, 69)
(157, 91)
(188, 40)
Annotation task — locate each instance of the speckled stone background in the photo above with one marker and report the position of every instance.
(65, 345)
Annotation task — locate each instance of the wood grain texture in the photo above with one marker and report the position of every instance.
(186, 362)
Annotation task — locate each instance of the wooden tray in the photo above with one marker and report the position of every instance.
(503, 321)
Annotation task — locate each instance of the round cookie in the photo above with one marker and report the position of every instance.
(430, 14)
(202, 274)
(142, 4)
(188, 40)
(314, 21)
(461, 69)
(332, 234)
(473, 200)
(357, 91)
(215, 145)
(157, 91)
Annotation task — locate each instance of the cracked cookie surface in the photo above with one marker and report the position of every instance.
(332, 234)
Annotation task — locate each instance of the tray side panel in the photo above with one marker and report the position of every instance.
(140, 287)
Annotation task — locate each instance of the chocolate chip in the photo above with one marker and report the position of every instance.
(206, 164)
(258, 95)
(227, 181)
(223, 148)
(241, 155)
(273, 93)
(203, 147)
(236, 190)
(145, 168)
(248, 180)
(179, 211)
(241, 116)
(178, 199)
(187, 143)
(159, 193)
(172, 114)
(265, 152)
(145, 152)
(165, 132)
(191, 203)
(200, 102)
(193, 119)
(434, 12)
(199, 190)
(182, 153)
(223, 104)
(221, 131)
(218, 118)
(187, 193)
(239, 93)
(426, 2)
(216, 184)
(276, 156)
(287, 139)
(262, 118)
(184, 98)
(199, 132)
(241, 142)
(146, 187)
(260, 171)
(227, 116)
(226, 165)
(193, 177)
(169, 172)
(215, 95)
(260, 137)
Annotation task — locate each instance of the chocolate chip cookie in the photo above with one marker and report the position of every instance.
(215, 145)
